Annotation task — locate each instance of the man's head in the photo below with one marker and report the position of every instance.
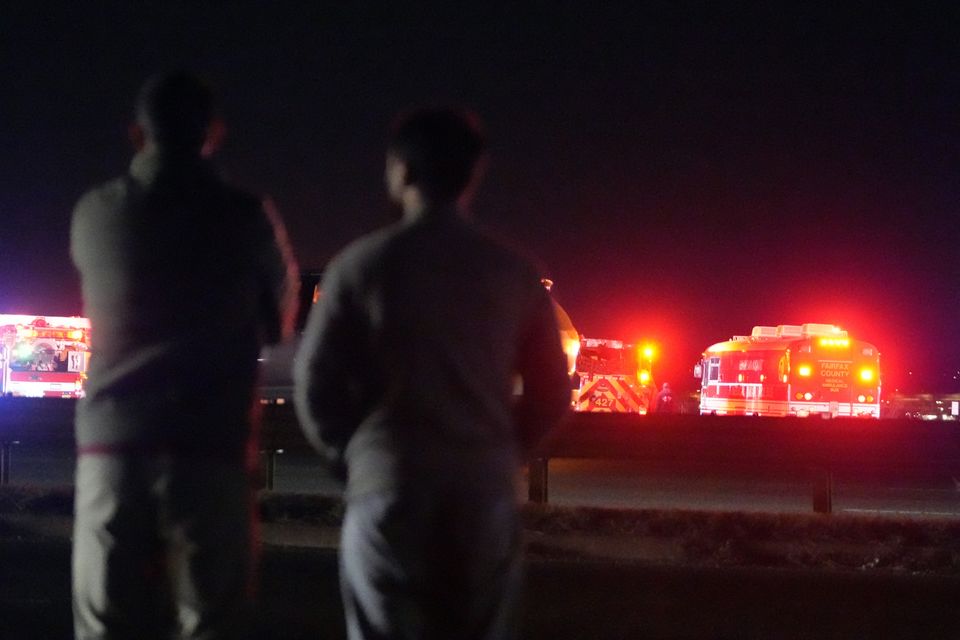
(176, 112)
(435, 153)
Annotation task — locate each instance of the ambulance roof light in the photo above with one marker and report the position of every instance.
(73, 322)
(813, 329)
(789, 330)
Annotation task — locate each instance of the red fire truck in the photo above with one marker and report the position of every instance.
(613, 377)
(43, 356)
(791, 370)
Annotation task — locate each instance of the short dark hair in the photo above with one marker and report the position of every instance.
(441, 146)
(176, 109)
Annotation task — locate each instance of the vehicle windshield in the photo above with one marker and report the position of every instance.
(42, 357)
(607, 360)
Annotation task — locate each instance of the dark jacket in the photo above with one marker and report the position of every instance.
(408, 361)
(184, 279)
(666, 402)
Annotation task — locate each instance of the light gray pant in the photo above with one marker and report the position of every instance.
(429, 566)
(162, 546)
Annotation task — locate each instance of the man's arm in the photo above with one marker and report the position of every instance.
(78, 234)
(282, 282)
(326, 384)
(85, 234)
(543, 366)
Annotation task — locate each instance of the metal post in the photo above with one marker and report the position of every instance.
(5, 448)
(268, 460)
(823, 491)
(537, 478)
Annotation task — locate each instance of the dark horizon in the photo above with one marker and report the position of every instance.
(682, 173)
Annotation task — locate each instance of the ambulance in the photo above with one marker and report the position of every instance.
(811, 369)
(43, 356)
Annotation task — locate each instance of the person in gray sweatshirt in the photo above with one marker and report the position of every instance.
(406, 381)
(184, 278)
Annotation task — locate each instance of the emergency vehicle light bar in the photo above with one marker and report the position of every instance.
(834, 342)
(71, 322)
(807, 330)
(601, 342)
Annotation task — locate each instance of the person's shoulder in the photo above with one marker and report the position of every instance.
(241, 194)
(365, 252)
(102, 198)
(244, 212)
(242, 199)
(506, 251)
(525, 266)
(509, 269)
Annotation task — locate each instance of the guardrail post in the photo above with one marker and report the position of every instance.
(537, 479)
(268, 467)
(822, 491)
(5, 450)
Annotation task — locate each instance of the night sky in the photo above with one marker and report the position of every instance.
(683, 171)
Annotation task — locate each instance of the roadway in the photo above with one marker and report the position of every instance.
(629, 484)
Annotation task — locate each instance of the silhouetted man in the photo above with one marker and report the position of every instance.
(665, 402)
(184, 279)
(406, 375)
